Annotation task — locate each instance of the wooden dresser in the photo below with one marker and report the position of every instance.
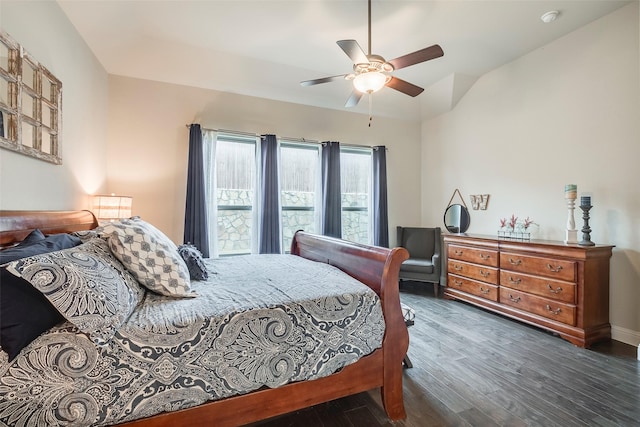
(562, 288)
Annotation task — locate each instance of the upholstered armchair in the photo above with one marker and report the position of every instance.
(424, 260)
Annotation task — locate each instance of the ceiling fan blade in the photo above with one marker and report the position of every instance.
(404, 87)
(417, 57)
(353, 99)
(353, 51)
(323, 80)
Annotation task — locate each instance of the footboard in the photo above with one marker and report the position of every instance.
(377, 268)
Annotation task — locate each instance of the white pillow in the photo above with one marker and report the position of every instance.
(150, 256)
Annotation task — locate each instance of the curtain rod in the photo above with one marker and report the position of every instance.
(304, 140)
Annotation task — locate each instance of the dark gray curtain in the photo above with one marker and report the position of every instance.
(331, 197)
(195, 217)
(380, 206)
(269, 239)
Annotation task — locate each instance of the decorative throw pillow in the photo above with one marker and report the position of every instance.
(35, 236)
(150, 256)
(86, 284)
(53, 242)
(195, 263)
(24, 313)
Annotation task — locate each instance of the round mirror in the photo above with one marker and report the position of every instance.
(456, 218)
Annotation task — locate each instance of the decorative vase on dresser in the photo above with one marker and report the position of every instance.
(563, 288)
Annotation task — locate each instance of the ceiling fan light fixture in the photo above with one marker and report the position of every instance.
(369, 82)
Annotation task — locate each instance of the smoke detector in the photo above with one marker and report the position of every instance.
(550, 16)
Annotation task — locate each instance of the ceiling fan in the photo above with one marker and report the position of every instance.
(372, 72)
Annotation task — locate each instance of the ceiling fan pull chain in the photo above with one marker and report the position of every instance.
(370, 109)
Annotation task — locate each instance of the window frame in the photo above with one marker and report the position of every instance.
(368, 209)
(284, 143)
(238, 139)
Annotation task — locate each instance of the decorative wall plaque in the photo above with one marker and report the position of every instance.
(30, 104)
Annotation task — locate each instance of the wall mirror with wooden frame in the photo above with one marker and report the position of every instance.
(30, 104)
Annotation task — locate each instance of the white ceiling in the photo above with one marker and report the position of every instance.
(264, 48)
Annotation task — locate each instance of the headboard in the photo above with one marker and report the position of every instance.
(16, 225)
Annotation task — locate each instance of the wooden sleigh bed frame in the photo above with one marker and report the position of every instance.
(374, 266)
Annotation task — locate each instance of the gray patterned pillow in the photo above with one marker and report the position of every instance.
(195, 263)
(150, 256)
(86, 284)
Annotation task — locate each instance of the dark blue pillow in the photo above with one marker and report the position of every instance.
(33, 237)
(51, 243)
(24, 313)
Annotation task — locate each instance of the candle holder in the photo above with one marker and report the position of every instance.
(572, 233)
(586, 230)
(570, 195)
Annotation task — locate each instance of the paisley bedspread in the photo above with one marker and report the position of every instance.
(259, 321)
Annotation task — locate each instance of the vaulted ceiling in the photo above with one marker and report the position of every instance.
(264, 48)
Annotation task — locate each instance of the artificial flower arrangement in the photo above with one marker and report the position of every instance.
(512, 228)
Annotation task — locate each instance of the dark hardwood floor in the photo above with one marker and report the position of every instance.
(475, 368)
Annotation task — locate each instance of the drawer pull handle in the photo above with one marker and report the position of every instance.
(458, 267)
(457, 282)
(516, 281)
(515, 261)
(485, 274)
(484, 291)
(517, 299)
(554, 269)
(556, 312)
(554, 291)
(458, 252)
(485, 257)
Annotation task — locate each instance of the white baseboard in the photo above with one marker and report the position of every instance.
(626, 336)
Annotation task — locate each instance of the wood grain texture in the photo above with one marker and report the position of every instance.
(530, 276)
(376, 267)
(476, 368)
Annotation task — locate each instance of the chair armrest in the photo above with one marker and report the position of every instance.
(435, 259)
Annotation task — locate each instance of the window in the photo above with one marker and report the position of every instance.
(236, 183)
(30, 101)
(235, 193)
(299, 181)
(355, 184)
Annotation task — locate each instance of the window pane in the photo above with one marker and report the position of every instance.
(234, 232)
(355, 226)
(28, 106)
(298, 179)
(4, 91)
(28, 135)
(355, 174)
(235, 176)
(4, 57)
(28, 74)
(46, 143)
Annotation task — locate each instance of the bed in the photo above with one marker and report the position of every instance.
(356, 367)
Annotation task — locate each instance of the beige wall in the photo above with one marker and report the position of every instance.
(567, 113)
(27, 183)
(148, 143)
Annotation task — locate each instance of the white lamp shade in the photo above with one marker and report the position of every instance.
(369, 82)
(112, 207)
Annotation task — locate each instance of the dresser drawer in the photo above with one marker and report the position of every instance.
(538, 266)
(474, 255)
(548, 288)
(473, 271)
(474, 287)
(565, 313)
